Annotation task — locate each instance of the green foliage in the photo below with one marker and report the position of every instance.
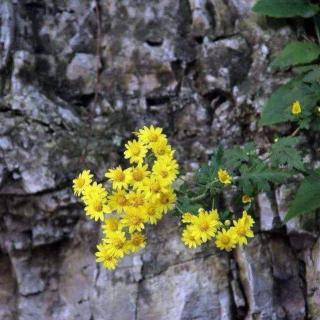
(278, 107)
(257, 178)
(286, 8)
(307, 198)
(237, 155)
(296, 53)
(252, 171)
(284, 153)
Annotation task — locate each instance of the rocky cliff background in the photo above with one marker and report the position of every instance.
(76, 77)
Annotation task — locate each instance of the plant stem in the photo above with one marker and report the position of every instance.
(295, 132)
(199, 197)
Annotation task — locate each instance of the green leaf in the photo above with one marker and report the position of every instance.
(296, 53)
(283, 152)
(237, 155)
(278, 107)
(205, 174)
(259, 177)
(313, 75)
(307, 198)
(285, 8)
(186, 205)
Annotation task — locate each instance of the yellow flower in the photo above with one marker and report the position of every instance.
(150, 134)
(247, 219)
(96, 207)
(166, 200)
(136, 199)
(242, 231)
(137, 241)
(165, 169)
(82, 182)
(226, 239)
(189, 239)
(118, 177)
(117, 243)
(118, 200)
(153, 186)
(224, 177)
(204, 226)
(187, 217)
(246, 199)
(105, 256)
(134, 219)
(161, 148)
(135, 151)
(138, 175)
(153, 213)
(111, 224)
(296, 108)
(93, 191)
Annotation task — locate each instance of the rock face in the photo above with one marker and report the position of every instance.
(76, 78)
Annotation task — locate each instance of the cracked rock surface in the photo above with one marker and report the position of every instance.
(76, 78)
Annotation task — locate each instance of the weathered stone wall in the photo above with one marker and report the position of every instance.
(76, 77)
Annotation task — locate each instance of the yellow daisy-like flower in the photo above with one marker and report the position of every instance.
(189, 239)
(118, 200)
(136, 199)
(242, 231)
(246, 199)
(162, 148)
(96, 208)
(134, 219)
(150, 134)
(226, 240)
(111, 224)
(83, 180)
(296, 108)
(105, 256)
(138, 175)
(135, 151)
(137, 241)
(117, 243)
(165, 169)
(224, 177)
(153, 213)
(93, 191)
(153, 186)
(118, 177)
(166, 200)
(204, 226)
(247, 219)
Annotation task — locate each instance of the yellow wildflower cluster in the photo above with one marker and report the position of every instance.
(207, 226)
(140, 194)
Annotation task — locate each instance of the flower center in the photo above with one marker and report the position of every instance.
(98, 206)
(80, 182)
(136, 220)
(164, 173)
(241, 231)
(135, 150)
(204, 226)
(137, 175)
(119, 176)
(153, 137)
(121, 200)
(119, 244)
(225, 239)
(155, 187)
(164, 199)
